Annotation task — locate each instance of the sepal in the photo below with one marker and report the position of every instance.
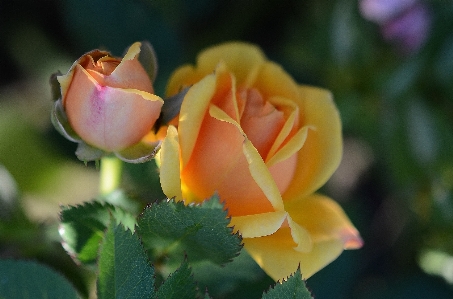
(86, 152)
(148, 60)
(61, 123)
(140, 152)
(55, 88)
(172, 106)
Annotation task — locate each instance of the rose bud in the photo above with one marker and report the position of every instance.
(107, 105)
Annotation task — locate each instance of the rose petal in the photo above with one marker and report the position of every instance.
(181, 78)
(278, 258)
(225, 95)
(322, 150)
(241, 59)
(258, 169)
(109, 118)
(290, 148)
(170, 165)
(206, 173)
(300, 236)
(261, 121)
(258, 225)
(324, 219)
(130, 73)
(262, 176)
(273, 81)
(65, 80)
(291, 112)
(193, 109)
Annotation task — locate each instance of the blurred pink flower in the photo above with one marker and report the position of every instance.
(380, 11)
(403, 22)
(410, 30)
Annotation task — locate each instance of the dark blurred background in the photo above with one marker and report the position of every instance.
(389, 64)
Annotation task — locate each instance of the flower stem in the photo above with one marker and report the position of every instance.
(110, 177)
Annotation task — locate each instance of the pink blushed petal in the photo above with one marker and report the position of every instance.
(109, 118)
(324, 219)
(130, 73)
(261, 122)
(131, 114)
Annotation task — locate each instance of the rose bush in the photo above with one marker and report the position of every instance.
(108, 102)
(265, 144)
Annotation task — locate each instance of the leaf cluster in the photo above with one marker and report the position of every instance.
(154, 255)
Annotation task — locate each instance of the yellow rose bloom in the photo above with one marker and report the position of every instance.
(265, 144)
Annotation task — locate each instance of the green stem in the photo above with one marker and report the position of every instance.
(110, 179)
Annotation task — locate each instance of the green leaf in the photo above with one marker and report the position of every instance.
(148, 59)
(206, 296)
(201, 231)
(26, 279)
(291, 288)
(242, 278)
(179, 285)
(124, 269)
(82, 228)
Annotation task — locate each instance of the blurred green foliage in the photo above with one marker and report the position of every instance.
(396, 108)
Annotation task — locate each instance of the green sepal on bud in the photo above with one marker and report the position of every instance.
(148, 59)
(140, 152)
(171, 107)
(61, 123)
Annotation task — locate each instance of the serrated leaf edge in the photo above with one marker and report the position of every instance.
(284, 280)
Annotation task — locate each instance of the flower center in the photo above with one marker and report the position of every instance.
(259, 119)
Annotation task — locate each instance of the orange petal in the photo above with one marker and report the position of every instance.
(193, 110)
(278, 258)
(261, 121)
(262, 176)
(322, 150)
(130, 73)
(324, 219)
(291, 112)
(218, 164)
(258, 170)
